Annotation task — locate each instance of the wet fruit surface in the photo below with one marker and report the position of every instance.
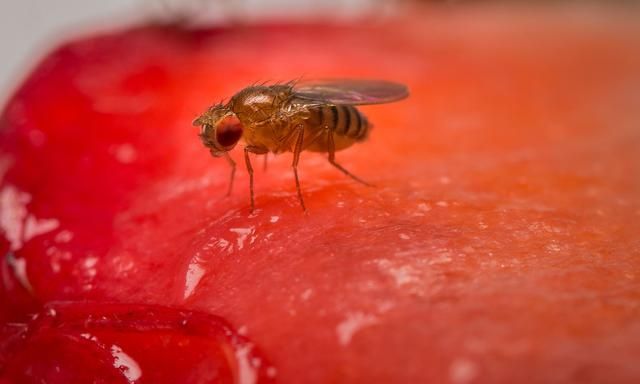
(499, 243)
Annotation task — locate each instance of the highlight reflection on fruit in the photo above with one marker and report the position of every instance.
(499, 245)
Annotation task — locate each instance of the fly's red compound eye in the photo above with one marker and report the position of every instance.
(228, 131)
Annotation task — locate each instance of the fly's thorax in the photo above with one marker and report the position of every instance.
(267, 115)
(259, 104)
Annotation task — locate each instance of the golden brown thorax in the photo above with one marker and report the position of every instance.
(266, 115)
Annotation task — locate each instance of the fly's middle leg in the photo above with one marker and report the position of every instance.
(296, 157)
(248, 150)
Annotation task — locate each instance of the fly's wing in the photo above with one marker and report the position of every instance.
(348, 92)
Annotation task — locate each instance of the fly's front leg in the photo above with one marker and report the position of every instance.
(296, 157)
(332, 159)
(233, 172)
(247, 161)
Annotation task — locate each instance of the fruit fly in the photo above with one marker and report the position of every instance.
(315, 116)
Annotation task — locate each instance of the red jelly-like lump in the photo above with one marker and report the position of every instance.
(124, 343)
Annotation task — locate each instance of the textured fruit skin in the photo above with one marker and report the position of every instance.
(498, 246)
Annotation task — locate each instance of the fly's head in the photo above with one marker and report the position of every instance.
(220, 129)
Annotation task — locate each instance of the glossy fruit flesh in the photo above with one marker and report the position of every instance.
(498, 245)
(122, 343)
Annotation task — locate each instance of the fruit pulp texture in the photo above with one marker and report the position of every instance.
(499, 244)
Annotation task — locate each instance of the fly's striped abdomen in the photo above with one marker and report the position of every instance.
(344, 120)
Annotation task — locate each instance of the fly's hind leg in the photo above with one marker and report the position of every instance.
(296, 157)
(247, 161)
(332, 159)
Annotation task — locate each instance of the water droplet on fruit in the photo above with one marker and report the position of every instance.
(125, 153)
(463, 371)
(353, 323)
(246, 367)
(125, 363)
(13, 212)
(15, 268)
(64, 236)
(304, 296)
(18, 224)
(195, 272)
(272, 372)
(242, 233)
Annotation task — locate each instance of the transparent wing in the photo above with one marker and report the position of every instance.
(349, 92)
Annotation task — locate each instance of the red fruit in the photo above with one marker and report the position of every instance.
(499, 244)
